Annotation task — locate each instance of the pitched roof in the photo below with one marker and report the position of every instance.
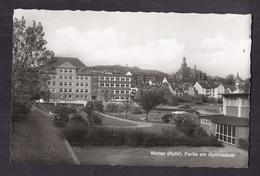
(207, 84)
(74, 61)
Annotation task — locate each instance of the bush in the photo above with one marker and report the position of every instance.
(76, 130)
(166, 118)
(95, 106)
(136, 110)
(242, 143)
(115, 108)
(19, 111)
(97, 119)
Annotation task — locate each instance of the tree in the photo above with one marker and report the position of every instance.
(247, 85)
(149, 99)
(230, 79)
(31, 61)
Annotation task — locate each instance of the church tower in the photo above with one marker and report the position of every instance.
(183, 64)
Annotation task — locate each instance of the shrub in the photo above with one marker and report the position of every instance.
(136, 110)
(76, 130)
(19, 111)
(242, 143)
(111, 107)
(97, 119)
(94, 106)
(166, 118)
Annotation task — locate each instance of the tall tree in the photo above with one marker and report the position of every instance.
(31, 61)
(230, 79)
(149, 99)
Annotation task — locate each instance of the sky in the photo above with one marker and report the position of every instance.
(218, 44)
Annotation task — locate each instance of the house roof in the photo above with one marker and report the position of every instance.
(74, 61)
(227, 120)
(207, 84)
(232, 88)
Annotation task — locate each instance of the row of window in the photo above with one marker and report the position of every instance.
(205, 121)
(69, 90)
(226, 133)
(102, 78)
(116, 91)
(74, 96)
(70, 77)
(65, 70)
(67, 83)
(114, 85)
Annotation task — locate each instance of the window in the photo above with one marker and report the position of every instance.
(82, 77)
(49, 83)
(122, 79)
(102, 84)
(81, 84)
(245, 103)
(86, 96)
(61, 70)
(65, 96)
(86, 84)
(53, 83)
(70, 70)
(122, 85)
(86, 78)
(77, 77)
(127, 85)
(77, 96)
(65, 77)
(53, 76)
(127, 79)
(86, 90)
(226, 133)
(70, 77)
(112, 85)
(122, 92)
(65, 90)
(65, 70)
(61, 90)
(107, 84)
(127, 91)
(70, 83)
(53, 90)
(117, 85)
(70, 96)
(81, 90)
(70, 90)
(61, 77)
(77, 90)
(102, 78)
(205, 121)
(65, 84)
(107, 78)
(77, 84)
(117, 91)
(61, 83)
(117, 78)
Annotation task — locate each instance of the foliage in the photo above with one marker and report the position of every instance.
(166, 118)
(136, 137)
(76, 129)
(97, 119)
(30, 64)
(150, 98)
(62, 113)
(230, 79)
(114, 108)
(19, 111)
(91, 108)
(136, 110)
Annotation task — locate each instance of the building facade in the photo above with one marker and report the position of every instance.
(71, 82)
(233, 125)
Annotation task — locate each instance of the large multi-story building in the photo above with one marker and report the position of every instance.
(71, 82)
(114, 86)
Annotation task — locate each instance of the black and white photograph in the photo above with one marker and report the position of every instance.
(131, 88)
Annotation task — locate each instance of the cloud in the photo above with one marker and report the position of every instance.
(108, 46)
(219, 56)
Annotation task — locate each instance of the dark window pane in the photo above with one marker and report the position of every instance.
(233, 140)
(225, 129)
(229, 130)
(229, 139)
(233, 131)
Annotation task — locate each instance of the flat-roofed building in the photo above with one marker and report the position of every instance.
(233, 125)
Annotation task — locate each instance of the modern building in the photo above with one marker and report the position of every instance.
(69, 81)
(115, 87)
(233, 125)
(72, 82)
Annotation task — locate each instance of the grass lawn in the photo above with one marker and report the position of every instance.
(37, 140)
(140, 156)
(154, 116)
(207, 107)
(114, 122)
